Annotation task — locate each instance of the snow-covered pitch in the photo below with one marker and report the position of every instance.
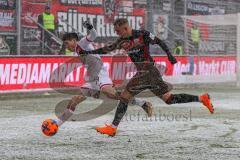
(177, 132)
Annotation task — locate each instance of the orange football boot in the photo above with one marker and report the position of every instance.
(205, 99)
(107, 129)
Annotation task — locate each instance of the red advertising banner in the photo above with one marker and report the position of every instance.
(24, 73)
(7, 20)
(72, 15)
(207, 65)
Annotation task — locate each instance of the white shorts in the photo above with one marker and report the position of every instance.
(102, 80)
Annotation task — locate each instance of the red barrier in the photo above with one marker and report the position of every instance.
(38, 72)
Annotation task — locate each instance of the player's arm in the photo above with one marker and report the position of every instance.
(155, 40)
(87, 40)
(92, 32)
(103, 50)
(90, 38)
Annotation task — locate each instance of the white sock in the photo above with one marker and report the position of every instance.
(59, 122)
(137, 101)
(114, 126)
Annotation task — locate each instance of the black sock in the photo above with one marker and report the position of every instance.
(182, 98)
(120, 112)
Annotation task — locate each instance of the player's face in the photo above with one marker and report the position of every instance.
(70, 44)
(122, 30)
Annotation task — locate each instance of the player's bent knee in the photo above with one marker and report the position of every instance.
(169, 100)
(110, 92)
(125, 97)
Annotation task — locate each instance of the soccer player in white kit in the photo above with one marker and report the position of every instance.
(98, 77)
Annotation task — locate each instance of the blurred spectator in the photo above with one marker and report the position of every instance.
(65, 51)
(195, 37)
(178, 50)
(4, 47)
(49, 22)
(191, 66)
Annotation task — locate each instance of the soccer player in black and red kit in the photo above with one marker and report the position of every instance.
(137, 44)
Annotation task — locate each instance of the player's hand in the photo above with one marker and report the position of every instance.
(87, 25)
(172, 59)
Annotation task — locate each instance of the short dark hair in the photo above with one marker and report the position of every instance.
(120, 21)
(47, 7)
(70, 36)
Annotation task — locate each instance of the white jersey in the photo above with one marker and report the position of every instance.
(92, 62)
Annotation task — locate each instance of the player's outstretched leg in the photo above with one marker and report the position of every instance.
(186, 98)
(68, 112)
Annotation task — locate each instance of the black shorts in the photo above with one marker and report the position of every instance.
(151, 79)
